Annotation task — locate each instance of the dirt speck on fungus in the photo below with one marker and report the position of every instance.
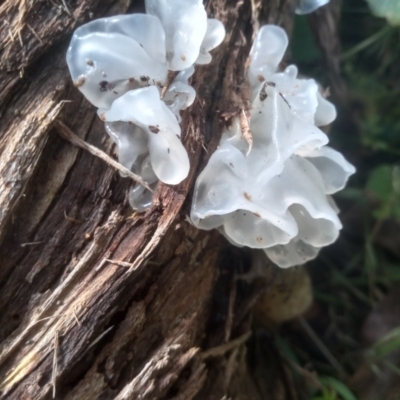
(247, 196)
(80, 81)
(154, 129)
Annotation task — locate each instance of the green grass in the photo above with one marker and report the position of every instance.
(354, 275)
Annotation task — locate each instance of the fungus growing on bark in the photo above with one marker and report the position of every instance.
(275, 197)
(121, 65)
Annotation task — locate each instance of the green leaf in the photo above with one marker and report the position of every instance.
(341, 389)
(389, 343)
(389, 9)
(380, 182)
(384, 183)
(326, 395)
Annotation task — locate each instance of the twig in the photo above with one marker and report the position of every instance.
(224, 348)
(170, 78)
(245, 128)
(255, 13)
(67, 134)
(10, 32)
(230, 367)
(133, 215)
(120, 263)
(20, 38)
(35, 34)
(30, 244)
(100, 337)
(55, 364)
(71, 219)
(65, 7)
(40, 320)
(283, 97)
(76, 317)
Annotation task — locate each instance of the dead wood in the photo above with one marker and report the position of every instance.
(98, 302)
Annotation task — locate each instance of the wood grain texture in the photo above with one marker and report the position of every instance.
(70, 321)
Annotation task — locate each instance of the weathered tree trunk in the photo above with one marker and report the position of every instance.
(171, 320)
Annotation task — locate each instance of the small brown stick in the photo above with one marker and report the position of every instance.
(10, 36)
(263, 94)
(20, 38)
(67, 134)
(283, 97)
(65, 7)
(40, 320)
(170, 78)
(245, 128)
(120, 263)
(100, 337)
(230, 367)
(133, 216)
(30, 244)
(76, 317)
(35, 34)
(224, 348)
(55, 364)
(71, 219)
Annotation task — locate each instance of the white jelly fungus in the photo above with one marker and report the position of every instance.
(121, 65)
(147, 113)
(277, 196)
(110, 56)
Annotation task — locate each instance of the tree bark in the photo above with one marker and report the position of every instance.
(98, 302)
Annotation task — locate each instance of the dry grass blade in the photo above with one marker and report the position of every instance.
(55, 365)
(170, 78)
(224, 348)
(323, 349)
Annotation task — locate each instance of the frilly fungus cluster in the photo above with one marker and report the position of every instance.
(274, 195)
(121, 65)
